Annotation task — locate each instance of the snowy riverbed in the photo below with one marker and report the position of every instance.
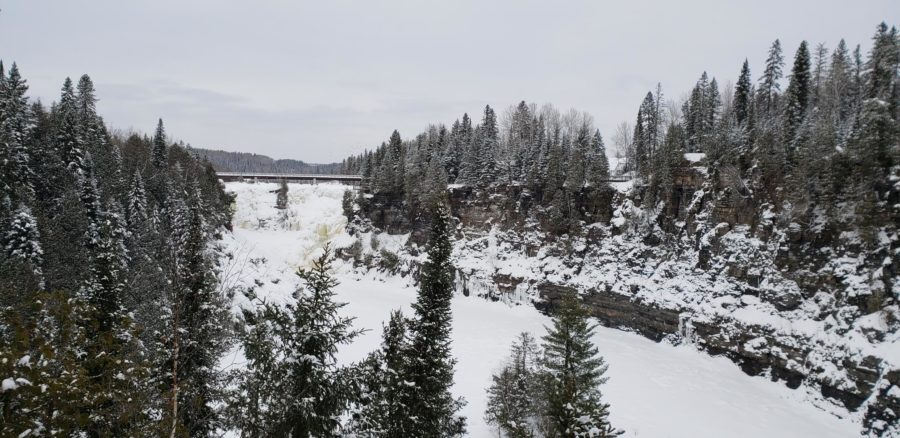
(655, 389)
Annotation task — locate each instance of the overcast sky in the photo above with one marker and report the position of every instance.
(319, 80)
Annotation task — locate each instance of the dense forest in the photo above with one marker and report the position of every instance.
(225, 161)
(111, 320)
(822, 152)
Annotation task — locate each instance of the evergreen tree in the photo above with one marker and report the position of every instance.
(839, 91)
(396, 163)
(24, 256)
(819, 74)
(197, 336)
(797, 100)
(699, 113)
(384, 398)
(598, 162)
(512, 398)
(293, 385)
(159, 154)
(15, 129)
(769, 86)
(572, 374)
(433, 410)
(45, 386)
(136, 209)
(639, 144)
(576, 171)
(69, 138)
(487, 150)
(742, 95)
(115, 360)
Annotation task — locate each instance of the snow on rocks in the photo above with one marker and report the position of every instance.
(655, 389)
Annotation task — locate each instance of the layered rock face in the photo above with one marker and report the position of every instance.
(812, 306)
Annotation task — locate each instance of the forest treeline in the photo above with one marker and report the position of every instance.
(814, 141)
(227, 161)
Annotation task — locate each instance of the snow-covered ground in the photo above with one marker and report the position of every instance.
(655, 389)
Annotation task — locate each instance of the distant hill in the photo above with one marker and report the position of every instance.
(224, 161)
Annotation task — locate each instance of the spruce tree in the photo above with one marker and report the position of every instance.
(69, 138)
(598, 162)
(385, 397)
(23, 256)
(769, 86)
(46, 390)
(136, 208)
(577, 163)
(839, 90)
(488, 149)
(797, 99)
(572, 374)
(197, 336)
(742, 95)
(16, 174)
(396, 163)
(293, 385)
(159, 154)
(513, 397)
(434, 410)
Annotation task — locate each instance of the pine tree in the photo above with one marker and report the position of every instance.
(512, 398)
(819, 74)
(639, 144)
(433, 409)
(769, 86)
(713, 108)
(699, 113)
(159, 154)
(197, 336)
(293, 383)
(384, 397)
(487, 150)
(396, 163)
(90, 201)
(572, 374)
(598, 162)
(878, 133)
(742, 95)
(650, 128)
(839, 91)
(15, 129)
(69, 138)
(797, 100)
(577, 163)
(21, 244)
(68, 378)
(46, 388)
(136, 209)
(453, 153)
(91, 127)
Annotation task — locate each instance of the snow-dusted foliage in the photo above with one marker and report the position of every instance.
(22, 241)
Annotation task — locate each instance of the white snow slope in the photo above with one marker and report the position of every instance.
(655, 389)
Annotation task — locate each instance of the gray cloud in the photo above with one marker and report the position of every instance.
(319, 80)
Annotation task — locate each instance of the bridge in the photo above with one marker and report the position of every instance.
(309, 178)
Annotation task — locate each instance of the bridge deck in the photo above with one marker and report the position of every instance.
(238, 176)
(351, 179)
